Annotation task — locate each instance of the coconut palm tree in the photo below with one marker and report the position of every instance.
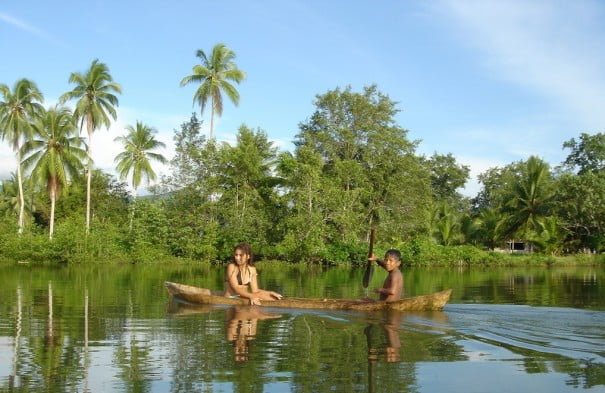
(530, 199)
(18, 108)
(9, 197)
(214, 75)
(55, 154)
(445, 225)
(138, 145)
(96, 101)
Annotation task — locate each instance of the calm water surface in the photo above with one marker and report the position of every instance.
(114, 328)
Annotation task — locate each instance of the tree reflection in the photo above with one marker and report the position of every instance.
(14, 381)
(61, 327)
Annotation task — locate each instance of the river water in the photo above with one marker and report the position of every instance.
(113, 328)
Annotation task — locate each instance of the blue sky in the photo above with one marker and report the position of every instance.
(491, 82)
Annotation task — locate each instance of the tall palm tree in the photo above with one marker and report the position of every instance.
(18, 108)
(530, 199)
(55, 154)
(214, 75)
(138, 145)
(96, 101)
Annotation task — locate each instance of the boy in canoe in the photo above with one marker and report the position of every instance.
(392, 287)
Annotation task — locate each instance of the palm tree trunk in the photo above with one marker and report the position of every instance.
(134, 204)
(53, 197)
(212, 121)
(89, 126)
(21, 198)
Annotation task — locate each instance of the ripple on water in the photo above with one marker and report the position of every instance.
(572, 333)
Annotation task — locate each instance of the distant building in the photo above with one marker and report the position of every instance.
(519, 247)
(516, 247)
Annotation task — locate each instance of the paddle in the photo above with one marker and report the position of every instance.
(367, 276)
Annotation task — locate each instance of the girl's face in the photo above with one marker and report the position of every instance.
(240, 257)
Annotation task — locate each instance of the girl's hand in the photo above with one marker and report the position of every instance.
(254, 301)
(276, 295)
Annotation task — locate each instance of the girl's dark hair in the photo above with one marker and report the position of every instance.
(246, 249)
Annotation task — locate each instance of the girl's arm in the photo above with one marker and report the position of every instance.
(263, 294)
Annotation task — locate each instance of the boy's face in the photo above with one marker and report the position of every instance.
(391, 263)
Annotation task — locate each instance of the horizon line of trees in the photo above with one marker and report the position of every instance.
(353, 168)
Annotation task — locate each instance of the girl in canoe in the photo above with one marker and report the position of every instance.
(241, 278)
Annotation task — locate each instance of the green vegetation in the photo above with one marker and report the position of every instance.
(353, 168)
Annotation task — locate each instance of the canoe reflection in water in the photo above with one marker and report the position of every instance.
(241, 328)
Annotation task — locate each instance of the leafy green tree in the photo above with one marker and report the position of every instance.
(96, 102)
(303, 225)
(495, 185)
(369, 174)
(447, 176)
(185, 165)
(54, 154)
(136, 158)
(214, 75)
(587, 154)
(247, 187)
(190, 193)
(580, 205)
(109, 195)
(18, 109)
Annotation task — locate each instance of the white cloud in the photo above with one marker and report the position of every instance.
(104, 148)
(477, 166)
(547, 46)
(7, 161)
(24, 26)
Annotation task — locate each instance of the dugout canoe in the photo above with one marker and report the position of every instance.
(432, 302)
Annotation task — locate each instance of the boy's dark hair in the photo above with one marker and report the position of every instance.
(393, 253)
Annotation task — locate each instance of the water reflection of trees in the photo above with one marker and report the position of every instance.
(52, 319)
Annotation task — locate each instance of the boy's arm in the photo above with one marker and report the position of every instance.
(380, 262)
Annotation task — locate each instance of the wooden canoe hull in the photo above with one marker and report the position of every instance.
(431, 302)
